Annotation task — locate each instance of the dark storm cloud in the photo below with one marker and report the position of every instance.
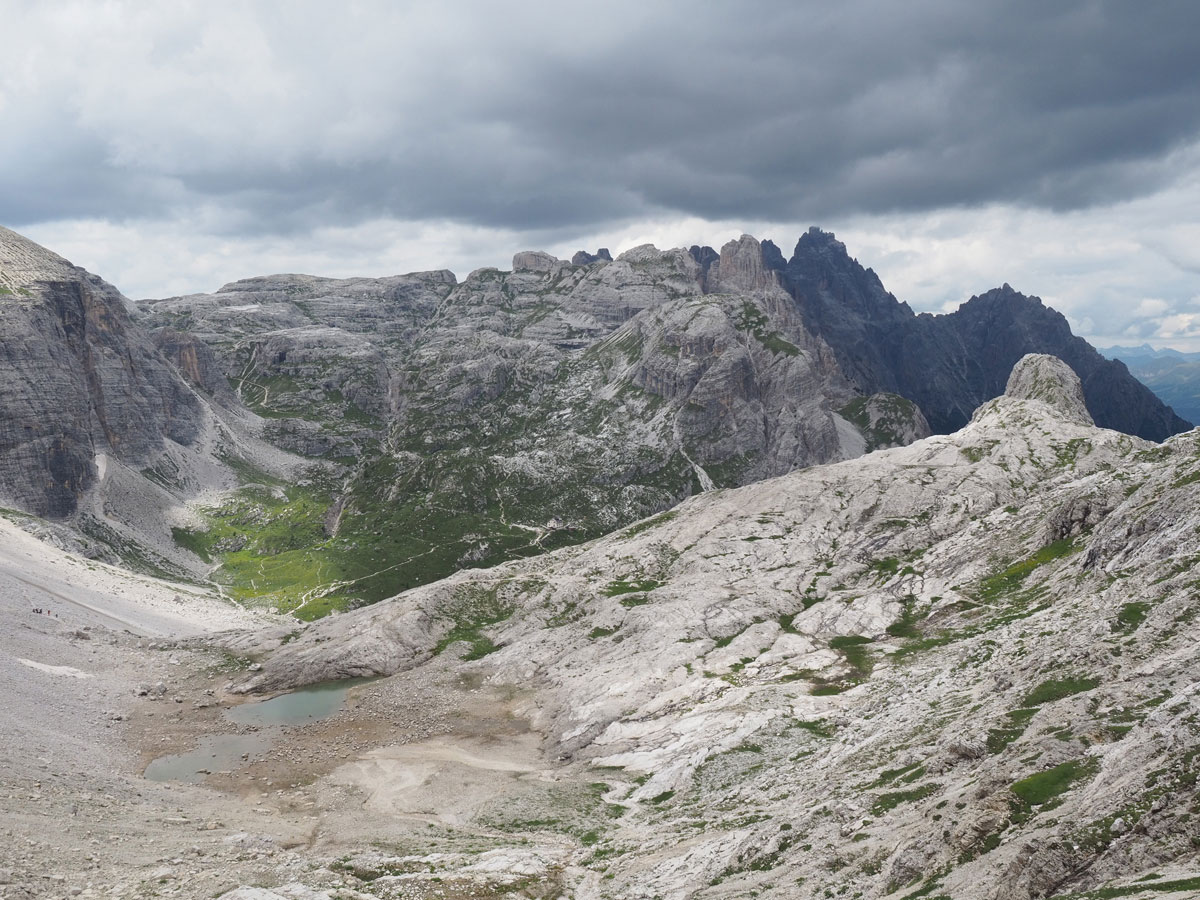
(281, 117)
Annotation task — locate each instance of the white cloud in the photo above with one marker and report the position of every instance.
(1179, 325)
(1151, 306)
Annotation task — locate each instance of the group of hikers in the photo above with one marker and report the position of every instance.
(43, 612)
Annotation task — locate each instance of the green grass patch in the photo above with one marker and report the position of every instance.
(885, 802)
(1129, 890)
(886, 567)
(916, 770)
(1045, 787)
(319, 607)
(906, 625)
(652, 522)
(829, 688)
(1058, 689)
(472, 610)
(853, 649)
(1005, 582)
(1131, 616)
(1018, 721)
(630, 586)
(1191, 478)
(191, 540)
(753, 320)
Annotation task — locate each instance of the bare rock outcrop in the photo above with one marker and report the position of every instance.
(535, 261)
(741, 267)
(1049, 380)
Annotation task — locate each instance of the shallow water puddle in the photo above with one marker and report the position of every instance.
(216, 753)
(225, 752)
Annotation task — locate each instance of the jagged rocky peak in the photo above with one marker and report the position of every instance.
(741, 267)
(704, 256)
(950, 364)
(1045, 378)
(773, 256)
(817, 241)
(583, 258)
(820, 263)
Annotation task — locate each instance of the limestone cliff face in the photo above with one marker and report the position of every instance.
(195, 361)
(77, 378)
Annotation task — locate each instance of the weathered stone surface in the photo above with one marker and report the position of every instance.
(535, 261)
(1049, 380)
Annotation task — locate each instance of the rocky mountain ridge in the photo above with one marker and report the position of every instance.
(522, 410)
(519, 411)
(949, 364)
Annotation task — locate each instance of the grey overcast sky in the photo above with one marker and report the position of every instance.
(171, 147)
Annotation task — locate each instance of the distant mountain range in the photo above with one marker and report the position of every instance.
(354, 438)
(1172, 375)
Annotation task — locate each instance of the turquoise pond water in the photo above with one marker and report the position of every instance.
(309, 704)
(225, 752)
